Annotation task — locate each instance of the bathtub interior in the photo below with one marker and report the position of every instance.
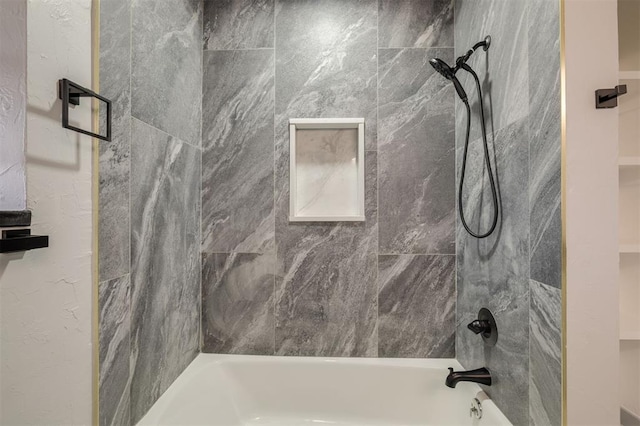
(249, 390)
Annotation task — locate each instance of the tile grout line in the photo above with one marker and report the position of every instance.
(416, 254)
(129, 123)
(414, 47)
(114, 278)
(528, 284)
(177, 139)
(377, 324)
(245, 49)
(200, 202)
(275, 244)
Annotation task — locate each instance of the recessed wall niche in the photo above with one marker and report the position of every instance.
(326, 169)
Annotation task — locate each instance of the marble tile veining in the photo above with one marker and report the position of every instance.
(165, 274)
(545, 142)
(326, 65)
(113, 238)
(545, 363)
(113, 300)
(237, 192)
(417, 153)
(325, 273)
(416, 306)
(520, 78)
(494, 272)
(151, 68)
(503, 70)
(166, 66)
(411, 23)
(238, 24)
(546, 238)
(237, 298)
(326, 289)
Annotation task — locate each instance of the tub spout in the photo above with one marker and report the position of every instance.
(480, 375)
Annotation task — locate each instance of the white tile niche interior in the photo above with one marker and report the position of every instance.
(326, 169)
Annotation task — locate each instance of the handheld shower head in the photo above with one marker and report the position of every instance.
(442, 67)
(450, 74)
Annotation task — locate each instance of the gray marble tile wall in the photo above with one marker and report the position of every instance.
(237, 189)
(166, 66)
(165, 254)
(516, 271)
(545, 142)
(417, 153)
(493, 272)
(115, 332)
(384, 287)
(545, 360)
(545, 322)
(150, 180)
(325, 273)
(114, 288)
(115, 163)
(237, 315)
(412, 302)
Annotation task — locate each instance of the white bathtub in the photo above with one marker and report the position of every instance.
(286, 391)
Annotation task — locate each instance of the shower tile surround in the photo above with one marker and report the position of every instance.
(165, 252)
(383, 287)
(149, 231)
(516, 271)
(326, 291)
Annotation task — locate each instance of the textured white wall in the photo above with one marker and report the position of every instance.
(45, 295)
(13, 97)
(591, 215)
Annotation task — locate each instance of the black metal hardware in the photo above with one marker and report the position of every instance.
(70, 93)
(486, 326)
(21, 240)
(15, 218)
(608, 98)
(479, 326)
(479, 375)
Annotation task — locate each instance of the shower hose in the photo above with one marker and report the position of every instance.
(487, 161)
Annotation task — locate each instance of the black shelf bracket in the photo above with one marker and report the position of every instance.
(70, 94)
(608, 98)
(14, 240)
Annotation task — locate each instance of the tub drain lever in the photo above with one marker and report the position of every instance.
(476, 409)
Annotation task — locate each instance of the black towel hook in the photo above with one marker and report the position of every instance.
(608, 98)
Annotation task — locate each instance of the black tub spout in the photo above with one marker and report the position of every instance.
(480, 375)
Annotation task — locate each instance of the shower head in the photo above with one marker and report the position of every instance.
(450, 74)
(442, 67)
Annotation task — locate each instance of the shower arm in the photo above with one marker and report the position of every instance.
(462, 60)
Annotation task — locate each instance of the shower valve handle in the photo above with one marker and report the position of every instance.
(480, 326)
(485, 326)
